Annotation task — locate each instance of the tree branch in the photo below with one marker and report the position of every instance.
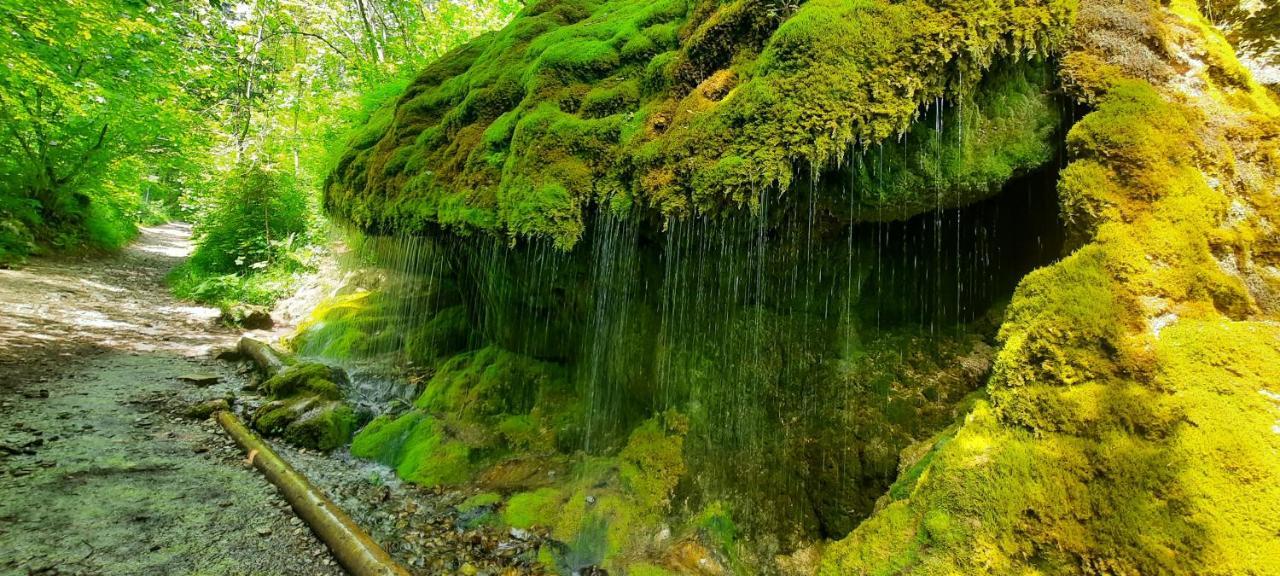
(84, 158)
(301, 33)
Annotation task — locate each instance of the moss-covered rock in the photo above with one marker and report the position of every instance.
(686, 107)
(741, 212)
(418, 446)
(306, 407)
(1105, 446)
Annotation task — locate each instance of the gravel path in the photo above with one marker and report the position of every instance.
(98, 473)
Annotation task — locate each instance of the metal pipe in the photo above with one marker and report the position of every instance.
(354, 549)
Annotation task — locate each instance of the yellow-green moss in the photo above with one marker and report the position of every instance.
(653, 461)
(529, 509)
(309, 378)
(487, 383)
(481, 500)
(1131, 419)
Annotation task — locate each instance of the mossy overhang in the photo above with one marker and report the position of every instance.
(677, 107)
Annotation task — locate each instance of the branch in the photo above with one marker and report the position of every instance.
(13, 128)
(301, 33)
(84, 158)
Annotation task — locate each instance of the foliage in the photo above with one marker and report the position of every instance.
(251, 239)
(87, 91)
(304, 75)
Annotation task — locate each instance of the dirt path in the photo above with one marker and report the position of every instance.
(98, 474)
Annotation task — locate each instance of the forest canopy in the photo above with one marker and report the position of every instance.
(223, 114)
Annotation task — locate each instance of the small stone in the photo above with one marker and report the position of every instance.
(200, 378)
(264, 531)
(519, 534)
(198, 449)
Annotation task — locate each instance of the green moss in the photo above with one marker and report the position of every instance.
(306, 407)
(481, 500)
(965, 152)
(1130, 410)
(487, 383)
(307, 378)
(537, 508)
(323, 428)
(522, 130)
(716, 521)
(652, 462)
(417, 446)
(522, 432)
(644, 569)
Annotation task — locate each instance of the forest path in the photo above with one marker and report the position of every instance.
(98, 473)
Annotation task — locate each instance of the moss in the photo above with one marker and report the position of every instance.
(307, 378)
(520, 132)
(652, 462)
(306, 407)
(1105, 447)
(417, 446)
(325, 427)
(717, 523)
(522, 432)
(962, 151)
(487, 383)
(645, 569)
(481, 500)
(537, 508)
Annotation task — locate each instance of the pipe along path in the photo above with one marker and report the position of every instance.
(355, 550)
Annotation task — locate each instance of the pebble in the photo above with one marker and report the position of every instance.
(264, 531)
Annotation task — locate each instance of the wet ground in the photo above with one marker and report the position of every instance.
(101, 473)
(97, 473)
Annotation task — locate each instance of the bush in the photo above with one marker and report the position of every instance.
(254, 235)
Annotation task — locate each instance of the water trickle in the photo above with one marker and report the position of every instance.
(787, 332)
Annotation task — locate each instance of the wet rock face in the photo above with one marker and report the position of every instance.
(805, 349)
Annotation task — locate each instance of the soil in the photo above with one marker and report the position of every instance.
(98, 473)
(101, 472)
